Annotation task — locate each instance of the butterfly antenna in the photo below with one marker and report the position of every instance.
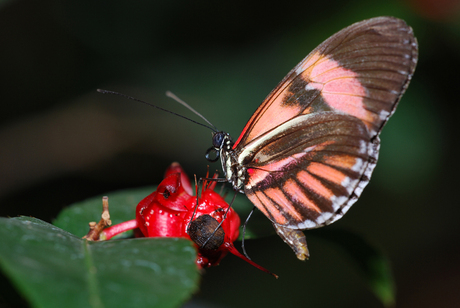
(177, 99)
(213, 128)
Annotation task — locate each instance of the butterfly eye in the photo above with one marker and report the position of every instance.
(166, 194)
(218, 139)
(208, 155)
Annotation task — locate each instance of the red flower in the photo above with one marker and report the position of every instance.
(173, 211)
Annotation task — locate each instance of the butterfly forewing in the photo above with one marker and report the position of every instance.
(310, 148)
(362, 70)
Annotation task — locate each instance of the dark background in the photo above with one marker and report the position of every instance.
(61, 141)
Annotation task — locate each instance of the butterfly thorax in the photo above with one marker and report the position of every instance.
(234, 172)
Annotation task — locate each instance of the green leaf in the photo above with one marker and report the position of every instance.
(372, 263)
(54, 268)
(122, 207)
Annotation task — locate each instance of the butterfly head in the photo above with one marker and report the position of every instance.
(221, 141)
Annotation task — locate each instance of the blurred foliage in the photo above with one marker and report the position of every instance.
(63, 142)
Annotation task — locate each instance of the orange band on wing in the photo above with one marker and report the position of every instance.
(273, 117)
(278, 196)
(342, 161)
(314, 184)
(270, 207)
(326, 172)
(254, 198)
(298, 194)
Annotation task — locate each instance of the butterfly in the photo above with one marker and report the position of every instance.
(309, 150)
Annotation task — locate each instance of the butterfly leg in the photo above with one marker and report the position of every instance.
(244, 233)
(295, 239)
(222, 221)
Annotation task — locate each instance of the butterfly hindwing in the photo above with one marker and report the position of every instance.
(310, 170)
